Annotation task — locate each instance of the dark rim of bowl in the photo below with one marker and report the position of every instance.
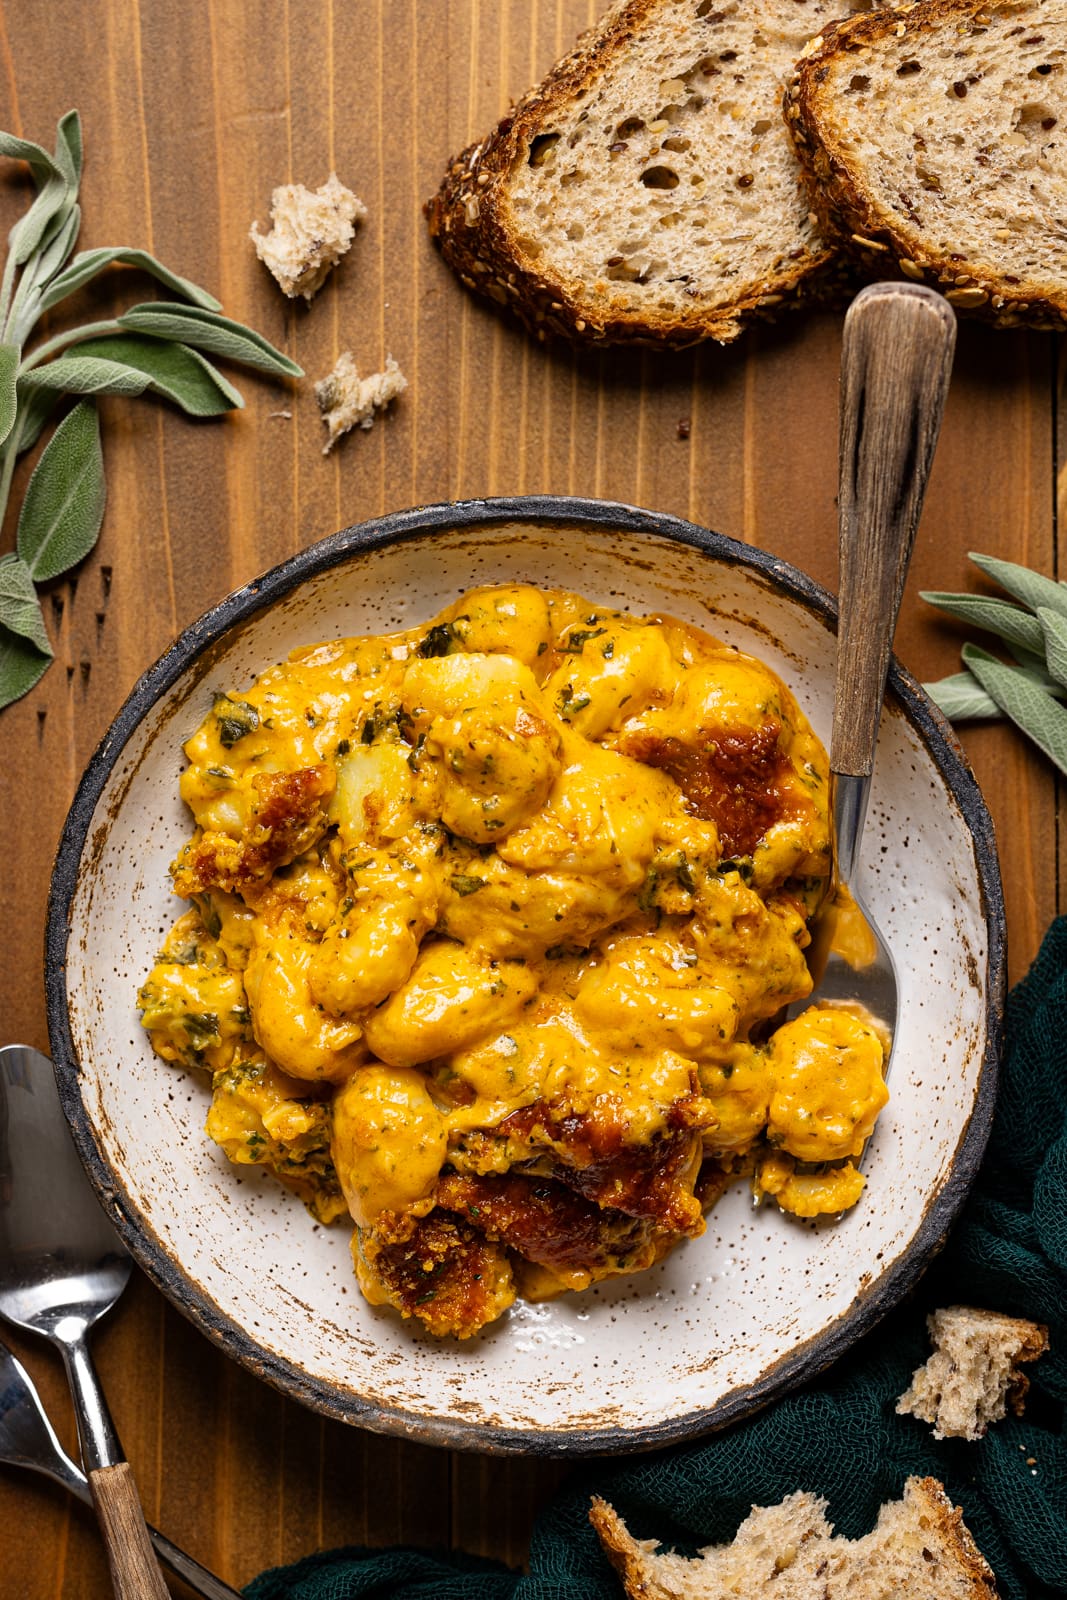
(809, 1358)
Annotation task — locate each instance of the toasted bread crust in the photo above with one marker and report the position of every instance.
(630, 1557)
(948, 1520)
(467, 220)
(847, 209)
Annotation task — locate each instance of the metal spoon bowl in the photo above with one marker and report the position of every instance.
(62, 1266)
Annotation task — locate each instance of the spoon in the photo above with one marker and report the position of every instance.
(62, 1266)
(895, 364)
(27, 1439)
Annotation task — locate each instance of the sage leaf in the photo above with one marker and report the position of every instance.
(86, 375)
(995, 616)
(21, 666)
(41, 163)
(58, 248)
(1054, 627)
(1031, 663)
(9, 366)
(128, 364)
(35, 406)
(1033, 667)
(89, 263)
(1030, 587)
(20, 609)
(54, 200)
(206, 330)
(69, 149)
(1031, 708)
(64, 501)
(961, 697)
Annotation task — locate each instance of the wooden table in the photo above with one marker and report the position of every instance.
(192, 114)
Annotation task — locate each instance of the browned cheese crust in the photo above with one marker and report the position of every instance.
(468, 219)
(842, 193)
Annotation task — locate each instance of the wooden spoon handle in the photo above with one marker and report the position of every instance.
(895, 365)
(135, 1573)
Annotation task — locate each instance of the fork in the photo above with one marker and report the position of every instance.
(896, 360)
(27, 1439)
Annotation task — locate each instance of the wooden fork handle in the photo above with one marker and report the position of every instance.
(135, 1573)
(895, 365)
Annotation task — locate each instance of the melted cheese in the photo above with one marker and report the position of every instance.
(466, 885)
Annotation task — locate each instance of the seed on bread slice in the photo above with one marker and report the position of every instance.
(973, 1375)
(920, 1546)
(647, 189)
(934, 140)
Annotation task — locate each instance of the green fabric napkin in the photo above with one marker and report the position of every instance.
(840, 1437)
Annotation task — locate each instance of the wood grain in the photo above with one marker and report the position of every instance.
(135, 1573)
(895, 365)
(189, 125)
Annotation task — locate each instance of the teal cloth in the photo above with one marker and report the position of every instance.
(840, 1436)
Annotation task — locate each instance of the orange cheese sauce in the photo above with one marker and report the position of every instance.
(491, 923)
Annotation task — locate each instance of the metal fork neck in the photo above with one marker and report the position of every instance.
(848, 808)
(96, 1431)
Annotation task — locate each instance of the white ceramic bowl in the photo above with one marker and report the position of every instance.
(727, 1321)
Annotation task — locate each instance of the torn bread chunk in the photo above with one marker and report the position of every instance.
(919, 1546)
(348, 401)
(310, 231)
(973, 1375)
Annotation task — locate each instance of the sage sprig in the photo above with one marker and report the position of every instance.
(1033, 627)
(160, 347)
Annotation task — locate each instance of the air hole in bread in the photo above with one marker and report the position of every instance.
(575, 231)
(762, 126)
(1034, 120)
(638, 269)
(660, 178)
(907, 69)
(628, 127)
(677, 144)
(858, 82)
(541, 148)
(1044, 69)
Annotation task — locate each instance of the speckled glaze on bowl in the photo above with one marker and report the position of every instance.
(728, 1321)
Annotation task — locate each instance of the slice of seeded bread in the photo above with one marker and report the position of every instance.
(973, 1375)
(647, 188)
(919, 1548)
(934, 140)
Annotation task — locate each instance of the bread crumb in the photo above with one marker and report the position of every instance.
(310, 231)
(973, 1375)
(348, 401)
